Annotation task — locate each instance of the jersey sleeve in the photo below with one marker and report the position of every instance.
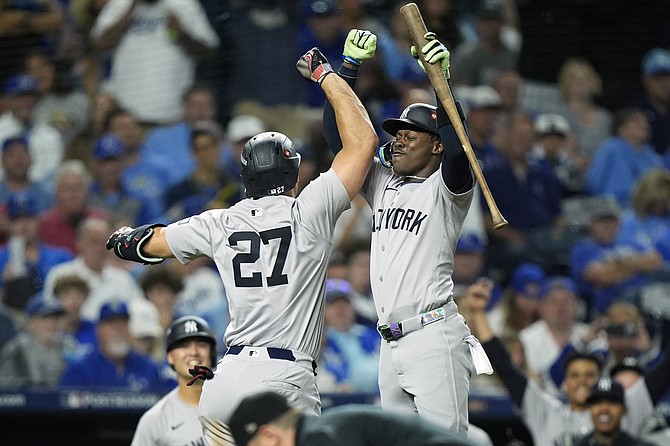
(639, 407)
(192, 237)
(538, 407)
(110, 14)
(326, 193)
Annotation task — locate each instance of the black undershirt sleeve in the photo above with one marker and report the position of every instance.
(513, 379)
(658, 378)
(456, 171)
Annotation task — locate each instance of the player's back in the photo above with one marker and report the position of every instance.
(273, 256)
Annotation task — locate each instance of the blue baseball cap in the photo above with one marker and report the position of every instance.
(22, 204)
(470, 243)
(108, 146)
(17, 139)
(20, 84)
(337, 288)
(39, 306)
(553, 282)
(319, 8)
(656, 62)
(525, 274)
(112, 310)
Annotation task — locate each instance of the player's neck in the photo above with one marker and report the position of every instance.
(190, 394)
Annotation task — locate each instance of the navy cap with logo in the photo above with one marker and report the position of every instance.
(656, 62)
(108, 146)
(253, 412)
(418, 117)
(558, 282)
(319, 8)
(20, 84)
(606, 389)
(17, 139)
(525, 274)
(113, 310)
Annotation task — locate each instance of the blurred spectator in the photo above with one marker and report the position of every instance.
(557, 332)
(36, 356)
(58, 225)
(351, 351)
(169, 146)
(528, 195)
(607, 270)
(442, 17)
(647, 222)
(160, 286)
(580, 86)
(113, 364)
(240, 128)
(25, 260)
(357, 254)
(622, 159)
(7, 325)
(27, 26)
(353, 224)
(518, 307)
(154, 47)
(469, 260)
(71, 291)
(107, 190)
(482, 106)
(655, 101)
(146, 332)
(102, 104)
(555, 147)
(479, 62)
(16, 162)
(323, 27)
(140, 179)
(208, 186)
(92, 264)
(61, 104)
(607, 406)
(45, 142)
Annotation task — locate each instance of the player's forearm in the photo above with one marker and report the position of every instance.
(157, 245)
(349, 73)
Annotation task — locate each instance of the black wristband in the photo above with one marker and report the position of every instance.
(351, 73)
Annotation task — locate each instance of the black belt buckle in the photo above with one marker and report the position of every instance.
(391, 332)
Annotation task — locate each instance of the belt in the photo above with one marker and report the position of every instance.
(273, 353)
(396, 330)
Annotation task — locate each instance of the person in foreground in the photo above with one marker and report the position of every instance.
(271, 250)
(265, 418)
(190, 342)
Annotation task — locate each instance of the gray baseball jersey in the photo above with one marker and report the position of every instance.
(416, 224)
(272, 254)
(415, 227)
(170, 422)
(551, 422)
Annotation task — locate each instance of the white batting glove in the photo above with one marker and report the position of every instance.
(360, 45)
(434, 51)
(314, 66)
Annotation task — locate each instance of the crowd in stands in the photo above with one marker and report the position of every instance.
(118, 112)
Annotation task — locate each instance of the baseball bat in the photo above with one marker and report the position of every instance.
(417, 30)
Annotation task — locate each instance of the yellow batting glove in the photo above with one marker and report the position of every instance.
(434, 51)
(360, 45)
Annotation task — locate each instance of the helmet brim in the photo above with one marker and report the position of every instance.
(391, 126)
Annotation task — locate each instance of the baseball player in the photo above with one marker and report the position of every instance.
(272, 252)
(420, 190)
(190, 342)
(550, 420)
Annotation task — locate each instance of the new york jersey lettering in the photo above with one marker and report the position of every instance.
(398, 219)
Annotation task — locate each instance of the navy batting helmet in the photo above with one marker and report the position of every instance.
(269, 165)
(419, 117)
(189, 327)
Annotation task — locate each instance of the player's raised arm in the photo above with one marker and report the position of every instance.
(146, 244)
(359, 140)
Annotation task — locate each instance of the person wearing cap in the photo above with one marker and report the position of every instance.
(621, 160)
(607, 405)
(197, 104)
(551, 418)
(419, 188)
(107, 191)
(555, 146)
(350, 351)
(265, 418)
(45, 142)
(25, 261)
(113, 363)
(37, 356)
(655, 100)
(605, 268)
(483, 106)
(71, 291)
(239, 130)
(479, 61)
(189, 343)
(207, 186)
(518, 307)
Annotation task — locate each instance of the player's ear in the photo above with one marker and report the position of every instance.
(438, 148)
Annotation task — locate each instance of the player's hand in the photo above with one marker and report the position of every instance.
(121, 232)
(434, 51)
(314, 66)
(360, 45)
(478, 295)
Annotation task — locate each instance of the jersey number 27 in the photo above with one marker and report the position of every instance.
(256, 279)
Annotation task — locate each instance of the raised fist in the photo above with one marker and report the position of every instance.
(360, 45)
(433, 51)
(314, 66)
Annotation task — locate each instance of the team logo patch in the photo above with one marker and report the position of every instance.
(258, 212)
(184, 221)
